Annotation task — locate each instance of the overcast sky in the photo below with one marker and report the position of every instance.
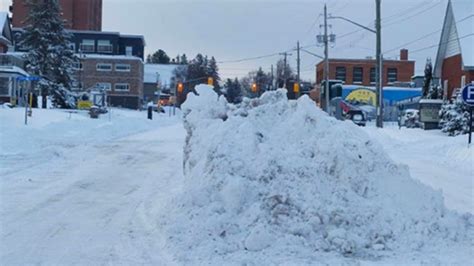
(237, 29)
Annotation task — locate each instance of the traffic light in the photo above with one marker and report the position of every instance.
(210, 81)
(254, 87)
(296, 87)
(180, 87)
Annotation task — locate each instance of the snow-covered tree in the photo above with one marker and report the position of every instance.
(455, 117)
(49, 55)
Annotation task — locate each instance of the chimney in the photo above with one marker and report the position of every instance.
(403, 54)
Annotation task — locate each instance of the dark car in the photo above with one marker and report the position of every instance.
(357, 116)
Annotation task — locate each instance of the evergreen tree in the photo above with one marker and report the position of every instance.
(158, 57)
(233, 91)
(184, 59)
(428, 78)
(49, 55)
(454, 117)
(213, 72)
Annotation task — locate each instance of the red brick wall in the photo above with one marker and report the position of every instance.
(405, 69)
(79, 14)
(89, 75)
(452, 72)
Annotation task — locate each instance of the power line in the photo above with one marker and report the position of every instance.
(425, 36)
(409, 17)
(434, 45)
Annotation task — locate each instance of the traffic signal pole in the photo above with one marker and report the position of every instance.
(379, 70)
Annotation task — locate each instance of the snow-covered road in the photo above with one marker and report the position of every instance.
(93, 205)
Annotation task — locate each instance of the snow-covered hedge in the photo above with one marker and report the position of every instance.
(272, 178)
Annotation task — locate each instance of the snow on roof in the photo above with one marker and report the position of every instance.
(101, 56)
(13, 69)
(464, 10)
(165, 73)
(5, 30)
(3, 18)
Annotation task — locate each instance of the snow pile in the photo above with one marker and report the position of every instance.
(273, 178)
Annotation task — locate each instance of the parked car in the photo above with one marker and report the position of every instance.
(409, 118)
(357, 116)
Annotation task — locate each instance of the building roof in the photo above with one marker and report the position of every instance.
(457, 35)
(13, 70)
(6, 31)
(103, 56)
(165, 73)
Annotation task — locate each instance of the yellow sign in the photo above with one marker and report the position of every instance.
(362, 95)
(210, 81)
(296, 88)
(84, 104)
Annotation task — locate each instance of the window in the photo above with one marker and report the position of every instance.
(4, 86)
(122, 67)
(104, 67)
(392, 75)
(104, 46)
(357, 75)
(372, 75)
(76, 85)
(341, 73)
(128, 50)
(87, 46)
(104, 86)
(77, 66)
(122, 87)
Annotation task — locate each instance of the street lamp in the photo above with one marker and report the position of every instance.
(378, 56)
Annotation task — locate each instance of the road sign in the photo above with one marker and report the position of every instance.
(468, 95)
(31, 78)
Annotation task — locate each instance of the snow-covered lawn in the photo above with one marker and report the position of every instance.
(75, 190)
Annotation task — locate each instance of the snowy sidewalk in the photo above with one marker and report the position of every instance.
(435, 159)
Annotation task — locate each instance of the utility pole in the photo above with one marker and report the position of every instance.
(298, 61)
(379, 68)
(285, 54)
(326, 58)
(272, 87)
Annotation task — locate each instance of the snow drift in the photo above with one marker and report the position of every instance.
(278, 181)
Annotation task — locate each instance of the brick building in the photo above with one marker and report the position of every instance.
(454, 64)
(107, 60)
(362, 71)
(78, 14)
(120, 76)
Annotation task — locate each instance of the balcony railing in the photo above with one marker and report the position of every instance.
(87, 48)
(104, 48)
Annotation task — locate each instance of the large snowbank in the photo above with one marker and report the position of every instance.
(278, 181)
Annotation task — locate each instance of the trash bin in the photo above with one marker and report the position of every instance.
(94, 112)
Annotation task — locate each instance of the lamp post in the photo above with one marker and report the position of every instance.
(378, 56)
